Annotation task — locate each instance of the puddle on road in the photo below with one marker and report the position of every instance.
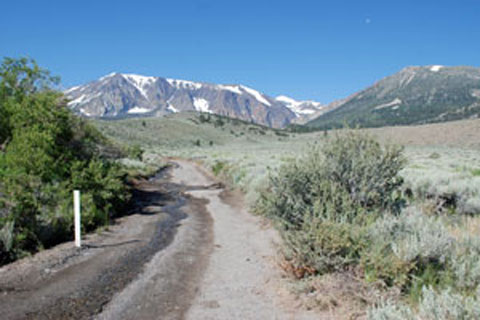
(92, 297)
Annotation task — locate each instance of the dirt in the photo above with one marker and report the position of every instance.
(189, 250)
(242, 280)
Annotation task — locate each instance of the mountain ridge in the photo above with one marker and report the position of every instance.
(414, 95)
(118, 95)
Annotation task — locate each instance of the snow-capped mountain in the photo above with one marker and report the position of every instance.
(121, 95)
(300, 107)
(304, 110)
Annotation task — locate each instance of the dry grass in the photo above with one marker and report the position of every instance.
(457, 134)
(467, 226)
(342, 295)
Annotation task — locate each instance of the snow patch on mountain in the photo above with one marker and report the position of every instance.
(72, 89)
(83, 99)
(304, 111)
(300, 107)
(435, 68)
(201, 105)
(140, 82)
(410, 78)
(77, 100)
(287, 100)
(234, 89)
(85, 112)
(184, 84)
(395, 104)
(136, 110)
(257, 95)
(172, 108)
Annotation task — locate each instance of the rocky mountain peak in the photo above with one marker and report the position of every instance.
(119, 95)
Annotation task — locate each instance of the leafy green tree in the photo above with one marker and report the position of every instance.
(20, 78)
(46, 152)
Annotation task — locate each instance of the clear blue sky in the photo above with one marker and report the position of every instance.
(321, 50)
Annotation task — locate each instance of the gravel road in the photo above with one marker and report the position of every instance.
(189, 251)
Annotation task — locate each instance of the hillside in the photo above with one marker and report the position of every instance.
(187, 131)
(117, 96)
(415, 95)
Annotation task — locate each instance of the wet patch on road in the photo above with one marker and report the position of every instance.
(90, 294)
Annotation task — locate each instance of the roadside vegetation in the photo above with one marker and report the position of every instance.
(391, 230)
(45, 153)
(341, 208)
(324, 202)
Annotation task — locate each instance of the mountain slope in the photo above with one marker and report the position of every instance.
(415, 95)
(125, 95)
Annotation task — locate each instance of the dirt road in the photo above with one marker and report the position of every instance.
(190, 251)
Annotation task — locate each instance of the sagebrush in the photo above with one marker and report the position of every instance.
(324, 201)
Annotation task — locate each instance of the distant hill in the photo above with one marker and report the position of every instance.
(415, 95)
(120, 95)
(187, 130)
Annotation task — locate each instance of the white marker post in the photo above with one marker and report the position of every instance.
(76, 209)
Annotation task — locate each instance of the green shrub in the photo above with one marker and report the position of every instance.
(219, 122)
(409, 250)
(390, 311)
(204, 118)
(103, 191)
(434, 155)
(476, 172)
(323, 201)
(448, 192)
(465, 263)
(281, 133)
(46, 152)
(218, 167)
(448, 305)
(135, 152)
(434, 305)
(323, 245)
(415, 251)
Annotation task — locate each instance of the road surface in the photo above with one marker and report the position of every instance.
(189, 250)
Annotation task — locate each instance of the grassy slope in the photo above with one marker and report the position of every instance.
(181, 131)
